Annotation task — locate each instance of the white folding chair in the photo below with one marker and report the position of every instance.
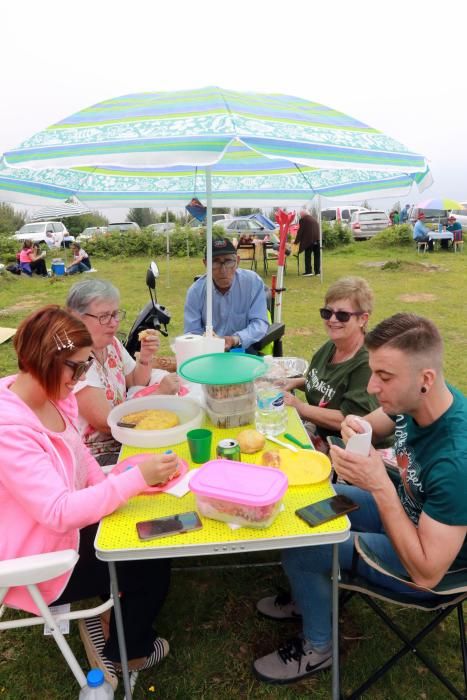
(29, 571)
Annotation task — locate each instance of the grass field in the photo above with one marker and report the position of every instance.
(209, 617)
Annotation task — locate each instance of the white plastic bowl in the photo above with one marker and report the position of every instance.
(190, 414)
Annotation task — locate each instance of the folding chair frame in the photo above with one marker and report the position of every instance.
(410, 643)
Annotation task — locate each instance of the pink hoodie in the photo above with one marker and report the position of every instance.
(40, 509)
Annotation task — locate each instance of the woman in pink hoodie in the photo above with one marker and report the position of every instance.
(55, 493)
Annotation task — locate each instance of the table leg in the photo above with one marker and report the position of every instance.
(120, 629)
(335, 623)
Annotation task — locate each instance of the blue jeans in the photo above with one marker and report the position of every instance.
(309, 568)
(78, 267)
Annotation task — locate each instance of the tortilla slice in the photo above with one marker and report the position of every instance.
(304, 467)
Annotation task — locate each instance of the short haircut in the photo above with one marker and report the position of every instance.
(76, 245)
(38, 345)
(416, 336)
(82, 294)
(356, 289)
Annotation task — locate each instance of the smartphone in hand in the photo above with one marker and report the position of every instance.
(332, 440)
(169, 525)
(329, 509)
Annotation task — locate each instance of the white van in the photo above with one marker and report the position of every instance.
(40, 231)
(343, 213)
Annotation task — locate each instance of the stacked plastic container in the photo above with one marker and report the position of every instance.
(230, 405)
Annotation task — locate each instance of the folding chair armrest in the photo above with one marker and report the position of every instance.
(36, 568)
(452, 582)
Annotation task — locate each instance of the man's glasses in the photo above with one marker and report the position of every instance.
(105, 319)
(228, 264)
(79, 368)
(341, 316)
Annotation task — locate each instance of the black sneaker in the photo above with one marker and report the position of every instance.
(279, 607)
(291, 663)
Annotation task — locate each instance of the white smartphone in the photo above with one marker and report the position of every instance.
(169, 525)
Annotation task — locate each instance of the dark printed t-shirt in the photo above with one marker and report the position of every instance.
(341, 386)
(433, 464)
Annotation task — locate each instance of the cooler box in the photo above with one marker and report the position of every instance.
(58, 267)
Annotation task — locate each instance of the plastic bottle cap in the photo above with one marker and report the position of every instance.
(95, 678)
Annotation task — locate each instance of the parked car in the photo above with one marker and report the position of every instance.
(365, 224)
(163, 228)
(37, 232)
(432, 216)
(91, 232)
(343, 214)
(248, 225)
(123, 227)
(461, 215)
(218, 219)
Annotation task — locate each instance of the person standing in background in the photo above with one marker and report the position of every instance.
(404, 215)
(307, 239)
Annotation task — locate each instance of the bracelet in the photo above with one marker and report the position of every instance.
(143, 362)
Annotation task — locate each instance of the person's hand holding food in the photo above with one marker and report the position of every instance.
(160, 468)
(149, 345)
(169, 384)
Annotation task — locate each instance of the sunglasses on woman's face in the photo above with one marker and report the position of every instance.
(79, 368)
(341, 316)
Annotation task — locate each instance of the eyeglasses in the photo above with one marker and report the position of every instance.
(105, 319)
(79, 368)
(228, 264)
(341, 316)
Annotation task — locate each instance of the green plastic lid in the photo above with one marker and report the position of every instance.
(222, 368)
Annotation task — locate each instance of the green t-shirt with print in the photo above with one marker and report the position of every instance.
(341, 386)
(433, 464)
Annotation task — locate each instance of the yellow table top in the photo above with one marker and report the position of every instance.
(117, 538)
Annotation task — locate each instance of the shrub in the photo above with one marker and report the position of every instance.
(398, 235)
(8, 249)
(145, 243)
(335, 234)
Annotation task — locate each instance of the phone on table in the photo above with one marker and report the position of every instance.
(329, 509)
(334, 440)
(168, 525)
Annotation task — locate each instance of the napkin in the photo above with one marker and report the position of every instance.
(360, 443)
(182, 487)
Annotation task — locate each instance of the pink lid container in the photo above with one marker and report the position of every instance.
(239, 482)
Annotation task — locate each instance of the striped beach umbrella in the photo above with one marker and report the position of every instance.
(233, 147)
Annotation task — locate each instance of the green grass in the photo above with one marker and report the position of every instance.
(210, 617)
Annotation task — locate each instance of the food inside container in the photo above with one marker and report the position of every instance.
(292, 366)
(228, 391)
(232, 420)
(239, 492)
(237, 404)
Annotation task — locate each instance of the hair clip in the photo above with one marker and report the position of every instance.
(63, 343)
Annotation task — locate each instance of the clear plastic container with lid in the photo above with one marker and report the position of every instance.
(239, 492)
(271, 413)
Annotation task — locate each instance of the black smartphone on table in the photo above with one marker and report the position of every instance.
(329, 509)
(168, 525)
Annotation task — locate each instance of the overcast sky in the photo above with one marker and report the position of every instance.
(397, 66)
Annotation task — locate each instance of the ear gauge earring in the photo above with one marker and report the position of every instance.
(423, 389)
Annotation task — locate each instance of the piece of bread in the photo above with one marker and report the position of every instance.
(146, 334)
(271, 458)
(250, 441)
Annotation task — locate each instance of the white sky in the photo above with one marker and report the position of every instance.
(397, 66)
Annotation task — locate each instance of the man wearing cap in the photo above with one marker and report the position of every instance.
(239, 310)
(455, 227)
(421, 232)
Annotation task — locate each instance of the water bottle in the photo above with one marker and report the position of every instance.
(271, 413)
(97, 688)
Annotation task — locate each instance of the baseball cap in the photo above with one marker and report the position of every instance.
(222, 246)
(421, 215)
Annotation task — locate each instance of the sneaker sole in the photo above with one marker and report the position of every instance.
(290, 618)
(327, 663)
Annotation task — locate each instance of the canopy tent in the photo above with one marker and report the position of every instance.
(167, 147)
(70, 207)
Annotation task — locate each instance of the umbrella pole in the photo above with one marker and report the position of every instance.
(320, 241)
(208, 253)
(168, 245)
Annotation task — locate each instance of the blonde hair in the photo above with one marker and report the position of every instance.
(356, 290)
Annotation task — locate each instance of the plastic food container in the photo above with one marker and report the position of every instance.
(189, 412)
(228, 391)
(233, 420)
(237, 404)
(238, 492)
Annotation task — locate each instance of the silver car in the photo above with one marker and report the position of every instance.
(365, 224)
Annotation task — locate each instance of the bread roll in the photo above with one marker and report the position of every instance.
(271, 459)
(250, 441)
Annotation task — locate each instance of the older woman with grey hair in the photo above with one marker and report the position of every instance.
(96, 302)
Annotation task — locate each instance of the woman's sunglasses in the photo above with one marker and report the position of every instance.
(79, 368)
(341, 316)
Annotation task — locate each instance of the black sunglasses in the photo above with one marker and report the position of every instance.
(79, 368)
(341, 316)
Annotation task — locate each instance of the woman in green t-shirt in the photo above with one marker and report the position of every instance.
(336, 380)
